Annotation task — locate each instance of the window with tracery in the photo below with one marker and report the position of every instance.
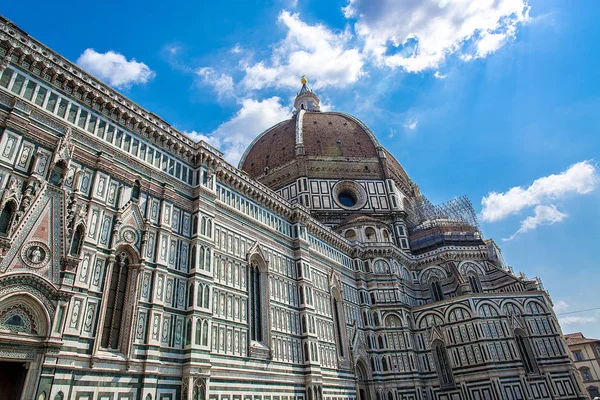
(117, 294)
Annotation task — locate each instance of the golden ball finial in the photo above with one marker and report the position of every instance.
(303, 80)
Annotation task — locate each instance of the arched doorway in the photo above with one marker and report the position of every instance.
(362, 378)
(21, 317)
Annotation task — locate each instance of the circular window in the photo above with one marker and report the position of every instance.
(349, 195)
(347, 199)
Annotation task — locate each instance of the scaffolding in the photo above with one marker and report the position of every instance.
(458, 211)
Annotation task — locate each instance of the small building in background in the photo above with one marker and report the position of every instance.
(586, 355)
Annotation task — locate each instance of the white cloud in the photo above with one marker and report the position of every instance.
(411, 124)
(561, 306)
(114, 69)
(543, 215)
(420, 34)
(580, 178)
(221, 82)
(439, 75)
(324, 56)
(233, 136)
(576, 320)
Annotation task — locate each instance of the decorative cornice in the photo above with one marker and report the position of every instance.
(69, 78)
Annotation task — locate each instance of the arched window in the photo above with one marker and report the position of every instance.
(350, 234)
(376, 318)
(198, 331)
(188, 332)
(393, 321)
(475, 284)
(384, 363)
(206, 297)
(193, 258)
(526, 352)
(442, 364)
(6, 217)
(199, 295)
(370, 235)
(207, 262)
(306, 353)
(117, 293)
(586, 374)
(201, 258)
(77, 241)
(135, 191)
(191, 295)
(208, 227)
(203, 226)
(386, 236)
(437, 294)
(205, 333)
(194, 225)
(255, 291)
(380, 342)
(337, 313)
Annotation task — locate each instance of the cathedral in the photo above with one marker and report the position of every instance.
(138, 264)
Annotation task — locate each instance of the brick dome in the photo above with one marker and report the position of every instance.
(320, 145)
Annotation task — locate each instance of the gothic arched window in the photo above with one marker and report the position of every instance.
(337, 313)
(475, 284)
(117, 294)
(442, 364)
(194, 225)
(255, 292)
(6, 216)
(201, 258)
(207, 261)
(203, 226)
(193, 258)
(205, 333)
(198, 331)
(437, 294)
(188, 332)
(206, 297)
(199, 295)
(191, 294)
(526, 352)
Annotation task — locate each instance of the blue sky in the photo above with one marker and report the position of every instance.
(497, 100)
